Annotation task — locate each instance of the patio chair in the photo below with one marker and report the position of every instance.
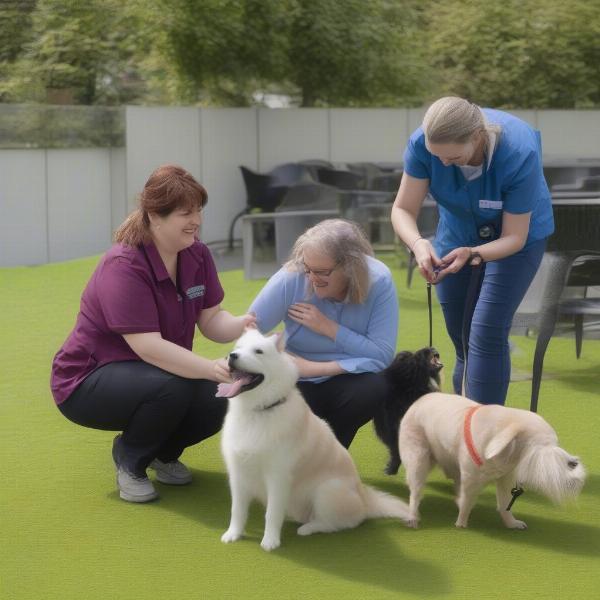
(261, 194)
(289, 174)
(573, 259)
(559, 271)
(343, 180)
(388, 182)
(367, 170)
(590, 183)
(314, 164)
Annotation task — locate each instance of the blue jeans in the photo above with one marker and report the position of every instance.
(501, 290)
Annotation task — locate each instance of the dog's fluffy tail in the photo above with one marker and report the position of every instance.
(380, 504)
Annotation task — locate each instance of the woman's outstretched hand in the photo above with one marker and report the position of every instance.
(429, 264)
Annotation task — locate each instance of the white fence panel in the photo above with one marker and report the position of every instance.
(160, 135)
(292, 134)
(229, 138)
(23, 217)
(368, 135)
(79, 206)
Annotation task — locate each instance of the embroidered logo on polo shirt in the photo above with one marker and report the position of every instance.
(195, 292)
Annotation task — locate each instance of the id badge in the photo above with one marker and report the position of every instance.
(493, 204)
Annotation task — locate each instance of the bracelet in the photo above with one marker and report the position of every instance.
(415, 243)
(474, 258)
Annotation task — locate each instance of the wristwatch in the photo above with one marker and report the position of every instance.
(475, 259)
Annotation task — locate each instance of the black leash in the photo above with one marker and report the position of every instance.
(477, 272)
(430, 316)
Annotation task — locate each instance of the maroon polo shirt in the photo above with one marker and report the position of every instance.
(131, 292)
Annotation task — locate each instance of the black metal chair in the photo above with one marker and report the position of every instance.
(314, 164)
(565, 270)
(590, 183)
(261, 194)
(343, 180)
(367, 170)
(289, 174)
(573, 259)
(388, 182)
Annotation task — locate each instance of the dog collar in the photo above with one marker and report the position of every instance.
(469, 436)
(270, 406)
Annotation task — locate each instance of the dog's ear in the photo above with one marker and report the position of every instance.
(501, 440)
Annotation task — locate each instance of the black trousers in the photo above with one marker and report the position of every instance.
(346, 401)
(160, 414)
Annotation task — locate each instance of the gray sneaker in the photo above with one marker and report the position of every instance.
(135, 489)
(172, 473)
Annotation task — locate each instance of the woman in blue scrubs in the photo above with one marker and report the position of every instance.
(483, 167)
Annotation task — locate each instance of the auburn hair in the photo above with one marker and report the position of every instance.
(168, 188)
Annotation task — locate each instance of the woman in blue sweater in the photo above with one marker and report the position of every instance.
(483, 167)
(340, 311)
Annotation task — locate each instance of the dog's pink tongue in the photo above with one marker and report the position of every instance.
(228, 390)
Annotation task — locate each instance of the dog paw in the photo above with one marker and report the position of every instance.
(230, 536)
(461, 524)
(412, 523)
(516, 524)
(306, 529)
(270, 543)
(391, 468)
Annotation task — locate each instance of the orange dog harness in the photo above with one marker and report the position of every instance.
(469, 436)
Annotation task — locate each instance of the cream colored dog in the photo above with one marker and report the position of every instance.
(277, 451)
(475, 444)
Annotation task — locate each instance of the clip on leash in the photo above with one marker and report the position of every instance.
(516, 492)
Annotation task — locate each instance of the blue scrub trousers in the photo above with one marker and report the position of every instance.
(502, 288)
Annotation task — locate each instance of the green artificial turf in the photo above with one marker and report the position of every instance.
(66, 534)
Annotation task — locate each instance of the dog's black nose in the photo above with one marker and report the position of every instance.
(232, 358)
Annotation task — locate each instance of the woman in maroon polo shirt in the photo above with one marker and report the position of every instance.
(128, 364)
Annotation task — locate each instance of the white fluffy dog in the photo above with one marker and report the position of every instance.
(277, 451)
(475, 444)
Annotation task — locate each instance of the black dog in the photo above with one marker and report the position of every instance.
(410, 376)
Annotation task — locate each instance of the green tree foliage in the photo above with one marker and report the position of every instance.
(512, 54)
(92, 52)
(518, 53)
(354, 52)
(223, 49)
(15, 31)
(346, 52)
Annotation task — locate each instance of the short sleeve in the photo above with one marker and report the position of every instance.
(417, 160)
(214, 289)
(126, 298)
(522, 190)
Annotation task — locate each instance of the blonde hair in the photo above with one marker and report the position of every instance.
(168, 188)
(455, 120)
(345, 243)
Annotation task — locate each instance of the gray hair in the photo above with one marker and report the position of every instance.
(346, 243)
(455, 120)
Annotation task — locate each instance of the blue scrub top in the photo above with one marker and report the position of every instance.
(513, 182)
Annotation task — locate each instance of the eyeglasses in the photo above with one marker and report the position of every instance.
(321, 273)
